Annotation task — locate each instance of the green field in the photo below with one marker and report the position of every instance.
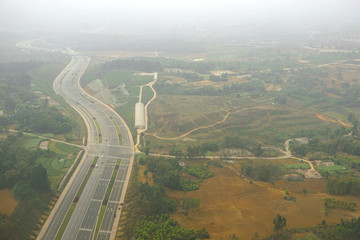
(332, 169)
(147, 94)
(32, 143)
(57, 165)
(130, 78)
(296, 166)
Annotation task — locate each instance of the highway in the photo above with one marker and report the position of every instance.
(105, 128)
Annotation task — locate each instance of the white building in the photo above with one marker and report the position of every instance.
(139, 115)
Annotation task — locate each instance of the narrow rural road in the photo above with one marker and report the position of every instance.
(139, 131)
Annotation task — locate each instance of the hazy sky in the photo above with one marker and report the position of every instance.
(104, 15)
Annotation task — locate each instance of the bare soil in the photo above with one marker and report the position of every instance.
(145, 178)
(231, 205)
(7, 202)
(44, 145)
(324, 118)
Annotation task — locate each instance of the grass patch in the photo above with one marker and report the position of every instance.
(332, 169)
(98, 129)
(62, 148)
(101, 216)
(112, 180)
(127, 111)
(32, 143)
(296, 166)
(114, 78)
(72, 170)
(65, 148)
(147, 94)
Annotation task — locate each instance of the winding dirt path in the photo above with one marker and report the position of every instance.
(50, 139)
(193, 130)
(203, 127)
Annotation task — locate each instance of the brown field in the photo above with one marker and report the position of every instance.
(231, 205)
(142, 178)
(173, 116)
(7, 202)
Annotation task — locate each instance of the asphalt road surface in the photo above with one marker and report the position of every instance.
(108, 148)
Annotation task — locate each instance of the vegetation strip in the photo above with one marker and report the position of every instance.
(117, 130)
(65, 222)
(73, 205)
(98, 129)
(72, 170)
(107, 195)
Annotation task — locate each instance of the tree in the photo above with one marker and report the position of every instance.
(351, 117)
(257, 150)
(279, 223)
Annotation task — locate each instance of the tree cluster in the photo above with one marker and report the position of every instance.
(345, 230)
(279, 223)
(48, 120)
(333, 204)
(263, 173)
(201, 150)
(19, 170)
(22, 106)
(217, 78)
(348, 145)
(199, 171)
(161, 227)
(154, 201)
(342, 184)
(165, 171)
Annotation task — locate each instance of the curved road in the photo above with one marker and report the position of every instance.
(105, 127)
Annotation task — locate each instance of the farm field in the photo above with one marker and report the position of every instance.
(57, 163)
(231, 205)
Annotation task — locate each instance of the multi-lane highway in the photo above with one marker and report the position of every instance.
(109, 141)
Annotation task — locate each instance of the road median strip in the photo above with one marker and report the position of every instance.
(74, 203)
(106, 198)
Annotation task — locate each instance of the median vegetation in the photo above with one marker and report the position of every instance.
(74, 203)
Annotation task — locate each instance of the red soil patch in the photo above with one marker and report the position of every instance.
(89, 90)
(324, 118)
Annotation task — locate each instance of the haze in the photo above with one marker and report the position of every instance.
(132, 16)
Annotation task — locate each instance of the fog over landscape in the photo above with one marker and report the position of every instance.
(129, 16)
(184, 119)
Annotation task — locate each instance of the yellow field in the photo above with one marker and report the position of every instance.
(231, 205)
